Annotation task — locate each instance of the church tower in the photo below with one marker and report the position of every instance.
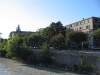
(18, 28)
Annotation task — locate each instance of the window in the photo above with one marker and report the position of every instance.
(99, 20)
(76, 23)
(82, 22)
(96, 20)
(88, 26)
(88, 21)
(89, 31)
(79, 23)
(71, 25)
(81, 27)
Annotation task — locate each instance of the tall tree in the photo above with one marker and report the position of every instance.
(54, 29)
(58, 41)
(35, 40)
(76, 37)
(96, 35)
(12, 45)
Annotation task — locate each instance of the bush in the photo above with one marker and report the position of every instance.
(46, 55)
(76, 67)
(32, 59)
(9, 54)
(24, 53)
(3, 53)
(87, 69)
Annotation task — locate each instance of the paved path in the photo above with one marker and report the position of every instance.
(11, 67)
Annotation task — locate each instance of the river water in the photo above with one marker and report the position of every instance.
(12, 67)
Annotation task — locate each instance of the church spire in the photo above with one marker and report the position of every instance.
(18, 28)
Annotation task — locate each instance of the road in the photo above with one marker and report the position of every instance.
(12, 67)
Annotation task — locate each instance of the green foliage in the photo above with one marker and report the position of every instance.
(58, 41)
(96, 33)
(10, 54)
(82, 67)
(2, 46)
(26, 55)
(76, 38)
(12, 45)
(46, 55)
(35, 40)
(54, 33)
(3, 53)
(2, 43)
(53, 29)
(23, 52)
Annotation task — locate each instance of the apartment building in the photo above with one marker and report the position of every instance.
(87, 25)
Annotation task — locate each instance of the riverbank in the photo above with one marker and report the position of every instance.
(14, 67)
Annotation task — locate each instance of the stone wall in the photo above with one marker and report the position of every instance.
(72, 58)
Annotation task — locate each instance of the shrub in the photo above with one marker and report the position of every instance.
(26, 54)
(9, 54)
(23, 53)
(3, 53)
(46, 55)
(32, 59)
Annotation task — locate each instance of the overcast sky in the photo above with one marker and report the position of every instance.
(35, 14)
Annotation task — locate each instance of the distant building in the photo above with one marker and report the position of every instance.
(18, 31)
(87, 25)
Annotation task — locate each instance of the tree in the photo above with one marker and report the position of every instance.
(12, 45)
(35, 40)
(76, 38)
(2, 45)
(53, 29)
(96, 35)
(58, 41)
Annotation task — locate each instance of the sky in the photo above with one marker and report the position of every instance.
(32, 15)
